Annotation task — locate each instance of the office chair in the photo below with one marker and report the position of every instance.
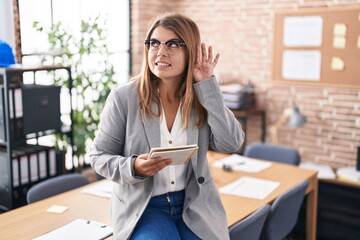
(250, 227)
(284, 213)
(272, 152)
(54, 186)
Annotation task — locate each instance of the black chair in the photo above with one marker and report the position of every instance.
(54, 186)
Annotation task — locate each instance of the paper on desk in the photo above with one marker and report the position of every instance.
(324, 171)
(241, 163)
(78, 229)
(250, 187)
(101, 189)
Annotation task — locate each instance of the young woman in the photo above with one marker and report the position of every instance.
(174, 101)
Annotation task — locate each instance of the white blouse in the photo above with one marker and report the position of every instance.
(172, 177)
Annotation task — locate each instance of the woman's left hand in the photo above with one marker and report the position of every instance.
(204, 65)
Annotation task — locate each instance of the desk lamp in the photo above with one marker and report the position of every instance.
(292, 117)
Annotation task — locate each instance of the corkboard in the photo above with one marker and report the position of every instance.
(350, 75)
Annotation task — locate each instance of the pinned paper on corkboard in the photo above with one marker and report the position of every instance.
(339, 42)
(337, 64)
(338, 45)
(340, 29)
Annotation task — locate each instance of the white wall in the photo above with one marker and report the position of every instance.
(7, 22)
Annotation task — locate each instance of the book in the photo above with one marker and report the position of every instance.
(79, 229)
(178, 154)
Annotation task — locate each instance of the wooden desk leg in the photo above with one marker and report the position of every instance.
(311, 210)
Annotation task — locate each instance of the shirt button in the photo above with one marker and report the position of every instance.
(172, 182)
(170, 142)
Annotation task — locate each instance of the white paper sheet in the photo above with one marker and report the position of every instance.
(301, 65)
(101, 189)
(348, 174)
(340, 29)
(324, 171)
(303, 31)
(250, 187)
(79, 229)
(241, 163)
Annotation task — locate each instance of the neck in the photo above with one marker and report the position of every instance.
(169, 91)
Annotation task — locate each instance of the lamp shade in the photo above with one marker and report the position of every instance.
(296, 118)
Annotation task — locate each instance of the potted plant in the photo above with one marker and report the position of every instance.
(87, 53)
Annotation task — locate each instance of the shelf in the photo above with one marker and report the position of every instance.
(34, 68)
(29, 112)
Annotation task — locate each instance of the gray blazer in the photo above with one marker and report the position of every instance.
(122, 136)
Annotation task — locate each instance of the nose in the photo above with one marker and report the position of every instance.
(162, 50)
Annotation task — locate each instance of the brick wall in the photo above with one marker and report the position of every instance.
(17, 32)
(242, 31)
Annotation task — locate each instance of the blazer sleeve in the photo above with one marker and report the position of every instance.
(106, 155)
(226, 131)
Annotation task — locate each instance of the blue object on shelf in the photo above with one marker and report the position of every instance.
(6, 55)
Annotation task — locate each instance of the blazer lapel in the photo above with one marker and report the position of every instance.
(152, 128)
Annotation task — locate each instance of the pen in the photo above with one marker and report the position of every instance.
(229, 167)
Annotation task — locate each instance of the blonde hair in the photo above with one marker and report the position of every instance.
(187, 31)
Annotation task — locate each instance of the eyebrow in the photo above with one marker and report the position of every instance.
(176, 39)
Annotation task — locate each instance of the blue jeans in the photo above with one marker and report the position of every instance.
(162, 219)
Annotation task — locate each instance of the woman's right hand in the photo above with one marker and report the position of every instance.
(146, 167)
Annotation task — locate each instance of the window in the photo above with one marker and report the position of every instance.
(70, 13)
(36, 50)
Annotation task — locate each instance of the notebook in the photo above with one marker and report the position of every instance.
(179, 154)
(79, 229)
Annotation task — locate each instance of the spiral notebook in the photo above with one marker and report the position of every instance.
(79, 229)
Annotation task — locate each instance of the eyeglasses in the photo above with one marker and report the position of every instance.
(172, 46)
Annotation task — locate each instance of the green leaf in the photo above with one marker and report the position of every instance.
(77, 48)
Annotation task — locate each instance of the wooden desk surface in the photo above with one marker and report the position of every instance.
(341, 181)
(289, 176)
(32, 220)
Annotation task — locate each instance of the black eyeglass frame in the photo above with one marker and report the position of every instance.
(178, 41)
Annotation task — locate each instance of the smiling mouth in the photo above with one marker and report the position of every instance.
(160, 64)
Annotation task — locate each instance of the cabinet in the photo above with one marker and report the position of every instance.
(338, 210)
(29, 113)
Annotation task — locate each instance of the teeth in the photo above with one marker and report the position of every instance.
(162, 64)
